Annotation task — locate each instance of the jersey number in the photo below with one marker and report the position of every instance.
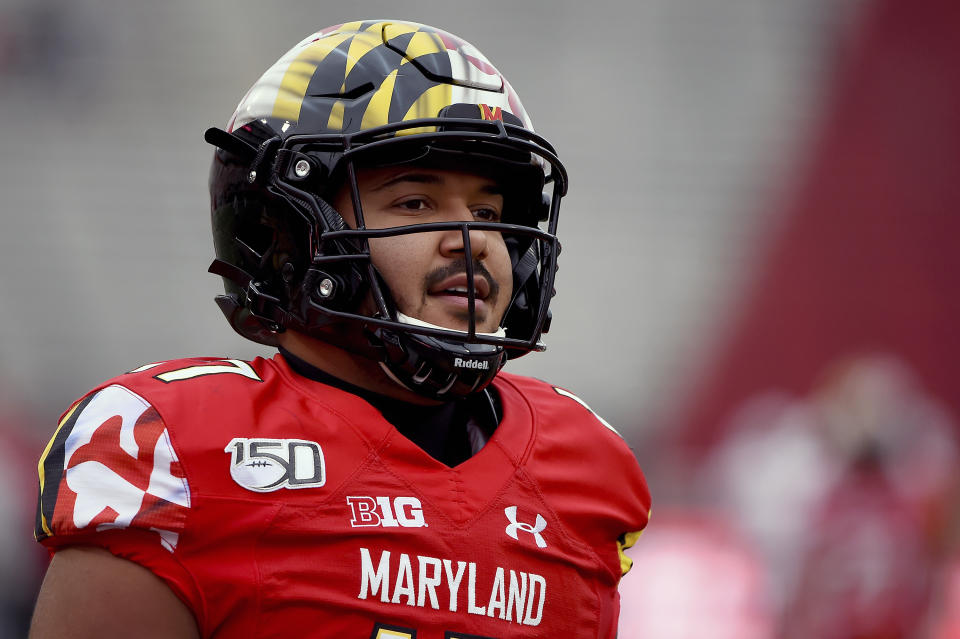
(234, 366)
(382, 631)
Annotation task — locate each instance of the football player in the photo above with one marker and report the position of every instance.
(385, 215)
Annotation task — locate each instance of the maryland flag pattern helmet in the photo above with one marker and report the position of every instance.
(368, 94)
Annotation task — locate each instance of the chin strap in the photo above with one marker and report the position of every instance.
(413, 321)
(436, 367)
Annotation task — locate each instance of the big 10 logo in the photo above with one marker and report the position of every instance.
(404, 512)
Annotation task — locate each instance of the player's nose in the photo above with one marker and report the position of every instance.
(455, 241)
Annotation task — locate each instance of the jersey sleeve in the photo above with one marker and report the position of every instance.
(631, 490)
(111, 478)
(624, 543)
(581, 457)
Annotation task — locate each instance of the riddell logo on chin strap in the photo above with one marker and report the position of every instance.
(470, 363)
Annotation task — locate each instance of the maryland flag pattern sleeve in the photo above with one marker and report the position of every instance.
(111, 465)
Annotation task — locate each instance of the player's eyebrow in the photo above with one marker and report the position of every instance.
(430, 178)
(416, 178)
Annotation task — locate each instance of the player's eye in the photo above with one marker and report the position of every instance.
(487, 214)
(412, 204)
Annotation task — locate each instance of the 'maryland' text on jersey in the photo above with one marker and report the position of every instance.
(514, 595)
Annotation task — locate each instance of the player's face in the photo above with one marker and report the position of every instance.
(426, 272)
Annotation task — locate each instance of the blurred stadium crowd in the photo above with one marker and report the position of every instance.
(832, 515)
(789, 378)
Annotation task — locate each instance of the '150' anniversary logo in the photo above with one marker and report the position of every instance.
(265, 465)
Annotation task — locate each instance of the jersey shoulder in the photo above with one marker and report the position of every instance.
(165, 379)
(582, 461)
(113, 462)
(192, 394)
(552, 402)
(110, 465)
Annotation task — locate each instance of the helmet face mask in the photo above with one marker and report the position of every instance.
(291, 261)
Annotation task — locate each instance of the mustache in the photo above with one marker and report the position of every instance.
(458, 266)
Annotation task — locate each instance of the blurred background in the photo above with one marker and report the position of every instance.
(758, 285)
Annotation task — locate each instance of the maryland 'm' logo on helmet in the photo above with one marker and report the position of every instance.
(353, 74)
(365, 95)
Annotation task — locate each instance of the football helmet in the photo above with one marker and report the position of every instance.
(371, 94)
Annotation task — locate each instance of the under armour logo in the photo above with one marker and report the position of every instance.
(514, 526)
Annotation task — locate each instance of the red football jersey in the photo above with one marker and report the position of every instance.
(276, 505)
